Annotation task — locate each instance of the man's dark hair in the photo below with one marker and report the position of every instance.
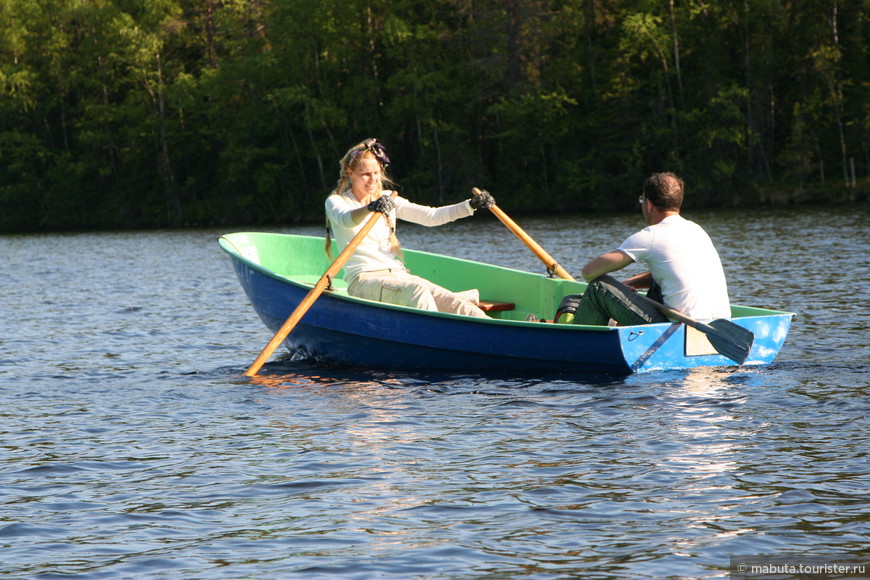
(664, 190)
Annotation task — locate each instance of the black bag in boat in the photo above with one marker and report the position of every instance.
(566, 310)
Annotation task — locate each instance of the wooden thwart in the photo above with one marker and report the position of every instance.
(495, 306)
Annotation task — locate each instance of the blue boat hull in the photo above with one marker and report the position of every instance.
(343, 330)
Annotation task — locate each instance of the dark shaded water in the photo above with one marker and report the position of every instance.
(131, 447)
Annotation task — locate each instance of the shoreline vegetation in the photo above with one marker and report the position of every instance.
(120, 114)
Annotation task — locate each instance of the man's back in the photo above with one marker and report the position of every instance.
(685, 264)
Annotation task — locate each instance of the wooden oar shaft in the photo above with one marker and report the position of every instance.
(288, 325)
(312, 295)
(548, 260)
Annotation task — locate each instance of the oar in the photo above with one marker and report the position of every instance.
(728, 338)
(313, 295)
(551, 264)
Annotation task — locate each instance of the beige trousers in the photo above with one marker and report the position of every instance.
(403, 288)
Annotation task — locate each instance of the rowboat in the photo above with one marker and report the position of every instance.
(277, 271)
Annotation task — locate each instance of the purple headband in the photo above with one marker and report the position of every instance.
(377, 149)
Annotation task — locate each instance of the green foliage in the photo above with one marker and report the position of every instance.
(149, 113)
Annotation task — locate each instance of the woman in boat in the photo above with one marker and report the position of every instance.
(375, 270)
(685, 272)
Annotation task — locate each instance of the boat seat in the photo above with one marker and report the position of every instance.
(495, 306)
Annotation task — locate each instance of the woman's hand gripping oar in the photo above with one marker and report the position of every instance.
(314, 294)
(728, 338)
(552, 265)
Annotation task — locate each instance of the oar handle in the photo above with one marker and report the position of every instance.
(548, 260)
(313, 294)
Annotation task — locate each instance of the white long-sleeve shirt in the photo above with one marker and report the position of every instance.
(375, 252)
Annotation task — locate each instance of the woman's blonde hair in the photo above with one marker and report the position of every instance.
(369, 148)
(354, 156)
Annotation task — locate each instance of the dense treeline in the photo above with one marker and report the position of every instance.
(139, 113)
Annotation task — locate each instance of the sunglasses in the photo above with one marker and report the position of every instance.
(377, 149)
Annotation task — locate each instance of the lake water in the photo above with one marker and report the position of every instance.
(131, 446)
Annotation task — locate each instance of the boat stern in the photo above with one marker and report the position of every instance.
(668, 346)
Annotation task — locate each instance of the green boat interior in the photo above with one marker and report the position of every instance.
(513, 294)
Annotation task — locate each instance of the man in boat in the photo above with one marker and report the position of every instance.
(375, 270)
(685, 272)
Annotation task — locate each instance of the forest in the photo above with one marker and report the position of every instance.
(175, 113)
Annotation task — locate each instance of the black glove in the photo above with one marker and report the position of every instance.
(382, 204)
(482, 200)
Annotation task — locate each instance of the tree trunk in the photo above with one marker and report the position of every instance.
(676, 39)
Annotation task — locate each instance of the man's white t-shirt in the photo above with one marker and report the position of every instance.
(686, 265)
(375, 251)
